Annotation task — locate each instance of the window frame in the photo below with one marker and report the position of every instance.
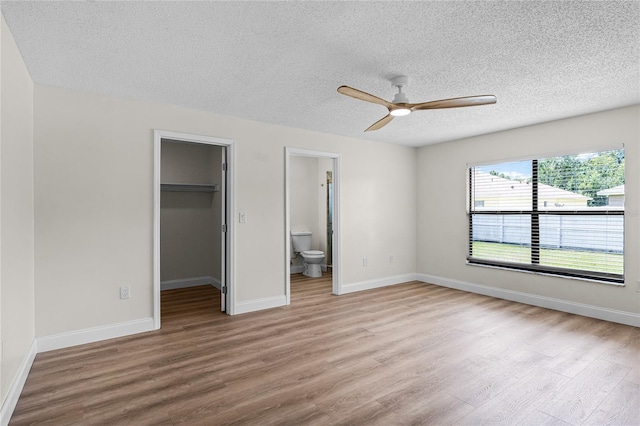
(534, 213)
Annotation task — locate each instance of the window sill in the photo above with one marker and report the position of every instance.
(545, 273)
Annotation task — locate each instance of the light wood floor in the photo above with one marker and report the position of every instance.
(403, 355)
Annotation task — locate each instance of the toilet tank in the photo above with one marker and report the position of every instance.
(301, 241)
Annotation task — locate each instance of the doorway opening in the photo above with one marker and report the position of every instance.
(193, 233)
(312, 214)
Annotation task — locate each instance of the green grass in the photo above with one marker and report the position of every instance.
(572, 259)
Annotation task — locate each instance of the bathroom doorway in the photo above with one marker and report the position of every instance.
(193, 202)
(312, 205)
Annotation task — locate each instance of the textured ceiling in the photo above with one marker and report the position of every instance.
(281, 62)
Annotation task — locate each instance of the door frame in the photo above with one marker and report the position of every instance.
(336, 285)
(158, 135)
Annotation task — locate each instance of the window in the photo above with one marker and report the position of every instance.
(558, 215)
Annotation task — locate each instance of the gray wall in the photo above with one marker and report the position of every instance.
(190, 222)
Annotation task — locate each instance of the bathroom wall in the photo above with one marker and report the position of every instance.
(190, 222)
(304, 189)
(308, 192)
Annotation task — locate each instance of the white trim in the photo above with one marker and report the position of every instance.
(190, 282)
(377, 283)
(260, 304)
(622, 317)
(310, 153)
(11, 400)
(217, 284)
(336, 248)
(549, 154)
(336, 284)
(287, 227)
(157, 144)
(158, 135)
(94, 334)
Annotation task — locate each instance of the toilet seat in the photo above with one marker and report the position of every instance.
(313, 253)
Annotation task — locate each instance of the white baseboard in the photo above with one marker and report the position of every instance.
(189, 282)
(260, 304)
(622, 317)
(9, 403)
(94, 334)
(382, 282)
(217, 284)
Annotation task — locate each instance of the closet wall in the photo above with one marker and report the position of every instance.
(190, 222)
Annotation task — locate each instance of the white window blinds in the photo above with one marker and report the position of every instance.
(559, 215)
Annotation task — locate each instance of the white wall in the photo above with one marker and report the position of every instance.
(442, 220)
(94, 207)
(190, 222)
(17, 323)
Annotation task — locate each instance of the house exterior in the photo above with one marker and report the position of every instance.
(615, 196)
(497, 193)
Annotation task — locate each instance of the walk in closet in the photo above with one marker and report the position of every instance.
(191, 215)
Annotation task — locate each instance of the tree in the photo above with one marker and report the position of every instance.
(584, 175)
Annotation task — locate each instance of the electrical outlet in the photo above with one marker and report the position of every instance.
(364, 261)
(125, 292)
(391, 260)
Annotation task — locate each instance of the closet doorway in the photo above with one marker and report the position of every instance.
(193, 190)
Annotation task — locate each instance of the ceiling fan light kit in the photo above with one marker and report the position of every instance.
(400, 112)
(401, 106)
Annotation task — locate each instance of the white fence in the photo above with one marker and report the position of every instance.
(587, 232)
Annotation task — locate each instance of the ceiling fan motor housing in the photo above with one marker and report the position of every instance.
(400, 81)
(400, 98)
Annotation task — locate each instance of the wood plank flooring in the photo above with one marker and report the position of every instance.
(403, 355)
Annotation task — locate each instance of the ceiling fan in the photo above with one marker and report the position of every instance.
(401, 106)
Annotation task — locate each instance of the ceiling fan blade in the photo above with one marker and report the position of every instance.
(455, 102)
(380, 123)
(363, 96)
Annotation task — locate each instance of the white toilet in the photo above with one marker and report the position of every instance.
(312, 259)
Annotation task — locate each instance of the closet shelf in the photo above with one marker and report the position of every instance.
(187, 187)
